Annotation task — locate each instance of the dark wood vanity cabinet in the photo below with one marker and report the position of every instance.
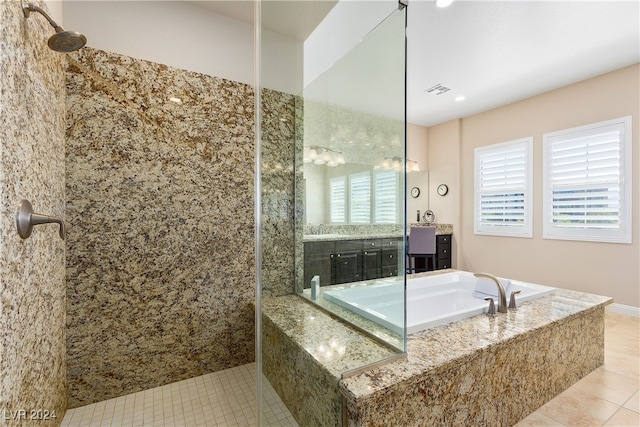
(443, 251)
(346, 261)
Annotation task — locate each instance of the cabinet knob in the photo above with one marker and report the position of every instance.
(366, 253)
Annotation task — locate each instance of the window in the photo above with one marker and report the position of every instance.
(338, 200)
(587, 183)
(386, 197)
(360, 198)
(354, 198)
(502, 204)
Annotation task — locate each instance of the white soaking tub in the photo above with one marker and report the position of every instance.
(431, 300)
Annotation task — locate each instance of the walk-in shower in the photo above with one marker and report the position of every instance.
(62, 40)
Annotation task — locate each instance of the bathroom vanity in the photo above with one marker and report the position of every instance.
(342, 258)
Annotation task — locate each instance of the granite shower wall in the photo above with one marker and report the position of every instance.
(160, 259)
(32, 271)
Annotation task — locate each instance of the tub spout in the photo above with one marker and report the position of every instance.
(502, 302)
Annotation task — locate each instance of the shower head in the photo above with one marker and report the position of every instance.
(61, 41)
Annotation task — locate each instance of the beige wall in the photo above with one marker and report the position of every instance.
(600, 268)
(444, 167)
(417, 150)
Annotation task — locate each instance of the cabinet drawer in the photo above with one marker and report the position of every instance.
(390, 258)
(443, 238)
(444, 251)
(444, 263)
(348, 245)
(370, 244)
(390, 271)
(391, 243)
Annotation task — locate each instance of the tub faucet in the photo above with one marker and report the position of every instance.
(502, 302)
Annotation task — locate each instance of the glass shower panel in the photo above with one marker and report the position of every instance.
(345, 131)
(350, 185)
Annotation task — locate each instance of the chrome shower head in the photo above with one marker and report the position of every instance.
(61, 41)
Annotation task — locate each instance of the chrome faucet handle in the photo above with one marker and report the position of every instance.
(26, 219)
(492, 307)
(512, 300)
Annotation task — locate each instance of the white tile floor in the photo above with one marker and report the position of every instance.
(225, 398)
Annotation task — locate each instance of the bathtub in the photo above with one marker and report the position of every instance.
(431, 301)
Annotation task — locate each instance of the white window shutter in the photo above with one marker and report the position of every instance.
(502, 205)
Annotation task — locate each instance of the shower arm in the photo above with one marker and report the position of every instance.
(27, 8)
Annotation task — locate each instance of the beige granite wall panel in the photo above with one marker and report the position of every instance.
(32, 271)
(277, 176)
(160, 211)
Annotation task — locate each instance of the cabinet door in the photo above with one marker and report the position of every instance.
(389, 263)
(347, 267)
(318, 262)
(370, 264)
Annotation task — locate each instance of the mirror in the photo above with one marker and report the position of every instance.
(350, 173)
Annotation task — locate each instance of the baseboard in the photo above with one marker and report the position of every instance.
(627, 310)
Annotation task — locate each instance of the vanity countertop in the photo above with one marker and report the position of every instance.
(441, 229)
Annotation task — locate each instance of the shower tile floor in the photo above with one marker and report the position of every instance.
(224, 398)
(609, 396)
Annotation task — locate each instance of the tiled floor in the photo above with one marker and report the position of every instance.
(609, 396)
(225, 398)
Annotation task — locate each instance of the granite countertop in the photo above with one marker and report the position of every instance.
(332, 237)
(332, 343)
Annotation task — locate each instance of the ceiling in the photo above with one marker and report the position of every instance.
(492, 52)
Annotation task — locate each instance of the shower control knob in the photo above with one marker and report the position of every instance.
(26, 219)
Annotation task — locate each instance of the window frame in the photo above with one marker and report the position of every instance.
(622, 234)
(524, 230)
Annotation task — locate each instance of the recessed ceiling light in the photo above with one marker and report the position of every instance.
(460, 98)
(443, 3)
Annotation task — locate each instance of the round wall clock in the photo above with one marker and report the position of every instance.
(415, 192)
(443, 189)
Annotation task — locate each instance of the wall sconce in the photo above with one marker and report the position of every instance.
(395, 164)
(322, 156)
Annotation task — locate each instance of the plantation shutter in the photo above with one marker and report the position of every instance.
(503, 188)
(360, 198)
(585, 183)
(386, 197)
(337, 200)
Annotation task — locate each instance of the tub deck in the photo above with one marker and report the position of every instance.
(477, 371)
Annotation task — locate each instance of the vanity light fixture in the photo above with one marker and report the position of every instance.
(395, 164)
(322, 156)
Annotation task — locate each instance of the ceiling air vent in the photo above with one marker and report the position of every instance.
(438, 89)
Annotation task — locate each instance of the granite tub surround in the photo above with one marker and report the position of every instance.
(484, 371)
(32, 287)
(160, 258)
(305, 353)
